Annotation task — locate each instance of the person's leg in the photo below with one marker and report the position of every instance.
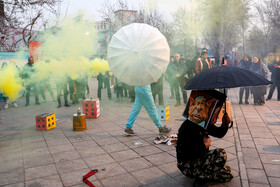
(42, 92)
(121, 91)
(136, 108)
(50, 90)
(58, 94)
(35, 90)
(109, 93)
(65, 94)
(272, 88)
(241, 92)
(184, 93)
(149, 104)
(177, 93)
(99, 89)
(247, 92)
(278, 92)
(27, 96)
(6, 102)
(117, 92)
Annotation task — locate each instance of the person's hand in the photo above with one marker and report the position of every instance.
(226, 119)
(207, 142)
(177, 75)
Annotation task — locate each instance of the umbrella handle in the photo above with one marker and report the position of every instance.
(231, 124)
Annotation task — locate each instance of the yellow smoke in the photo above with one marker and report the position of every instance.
(10, 83)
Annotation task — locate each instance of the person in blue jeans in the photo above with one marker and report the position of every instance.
(144, 97)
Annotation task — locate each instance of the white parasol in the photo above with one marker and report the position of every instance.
(138, 54)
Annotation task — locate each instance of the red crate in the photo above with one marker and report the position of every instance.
(91, 108)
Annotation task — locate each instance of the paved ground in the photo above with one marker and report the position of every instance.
(60, 157)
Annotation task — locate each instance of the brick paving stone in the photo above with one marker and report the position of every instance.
(183, 180)
(65, 156)
(251, 158)
(38, 160)
(270, 158)
(272, 170)
(274, 182)
(168, 182)
(61, 148)
(45, 182)
(56, 142)
(135, 164)
(109, 170)
(90, 151)
(71, 165)
(257, 176)
(170, 169)
(15, 185)
(99, 160)
(123, 180)
(150, 175)
(40, 171)
(75, 177)
(147, 150)
(160, 158)
(258, 185)
(124, 155)
(13, 176)
(85, 144)
(10, 165)
(264, 141)
(115, 147)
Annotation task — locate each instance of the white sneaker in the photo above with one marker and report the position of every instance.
(15, 105)
(6, 106)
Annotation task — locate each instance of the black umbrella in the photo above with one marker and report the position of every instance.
(225, 77)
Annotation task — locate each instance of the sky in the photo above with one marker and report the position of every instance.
(91, 7)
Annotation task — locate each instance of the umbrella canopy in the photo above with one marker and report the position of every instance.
(225, 77)
(138, 54)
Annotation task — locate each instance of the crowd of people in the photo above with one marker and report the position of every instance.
(177, 74)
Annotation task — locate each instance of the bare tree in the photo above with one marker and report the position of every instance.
(19, 20)
(224, 24)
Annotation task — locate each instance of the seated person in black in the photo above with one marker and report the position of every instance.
(194, 158)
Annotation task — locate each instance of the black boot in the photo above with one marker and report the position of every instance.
(66, 104)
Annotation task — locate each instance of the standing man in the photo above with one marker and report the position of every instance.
(274, 68)
(27, 71)
(180, 71)
(244, 64)
(203, 63)
(143, 97)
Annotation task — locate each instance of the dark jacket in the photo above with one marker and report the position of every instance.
(27, 71)
(190, 145)
(245, 64)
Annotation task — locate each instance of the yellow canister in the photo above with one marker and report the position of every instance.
(79, 122)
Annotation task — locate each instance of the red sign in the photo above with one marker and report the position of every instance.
(35, 50)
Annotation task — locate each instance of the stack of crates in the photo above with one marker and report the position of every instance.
(163, 113)
(91, 108)
(45, 121)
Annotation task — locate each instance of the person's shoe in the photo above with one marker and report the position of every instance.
(6, 106)
(128, 132)
(177, 104)
(118, 100)
(15, 105)
(37, 103)
(58, 106)
(67, 105)
(246, 102)
(26, 104)
(110, 98)
(240, 102)
(267, 99)
(164, 129)
(44, 101)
